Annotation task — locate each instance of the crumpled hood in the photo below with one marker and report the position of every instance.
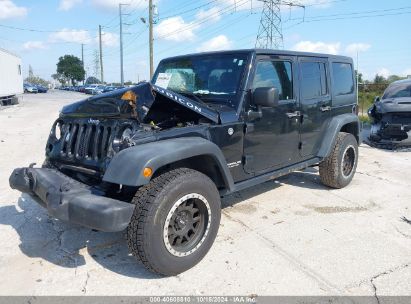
(113, 104)
(392, 105)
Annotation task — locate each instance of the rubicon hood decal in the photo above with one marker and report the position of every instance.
(112, 105)
(188, 103)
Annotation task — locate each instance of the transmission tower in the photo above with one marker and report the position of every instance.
(270, 35)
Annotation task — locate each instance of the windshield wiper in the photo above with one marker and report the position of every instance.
(194, 96)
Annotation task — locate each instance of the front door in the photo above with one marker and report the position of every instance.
(315, 101)
(272, 139)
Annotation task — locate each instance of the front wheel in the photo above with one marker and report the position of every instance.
(175, 222)
(338, 169)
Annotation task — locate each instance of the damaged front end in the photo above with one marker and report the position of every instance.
(88, 133)
(391, 121)
(87, 136)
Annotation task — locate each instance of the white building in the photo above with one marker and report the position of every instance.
(11, 77)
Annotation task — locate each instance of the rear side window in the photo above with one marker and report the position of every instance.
(343, 78)
(314, 79)
(277, 74)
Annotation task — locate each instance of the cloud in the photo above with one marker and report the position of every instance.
(113, 4)
(318, 47)
(34, 45)
(316, 3)
(217, 43)
(353, 48)
(68, 35)
(66, 5)
(407, 72)
(239, 5)
(384, 72)
(212, 15)
(108, 39)
(175, 29)
(10, 10)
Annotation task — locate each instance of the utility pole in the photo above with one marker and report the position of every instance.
(358, 77)
(270, 33)
(82, 57)
(101, 55)
(150, 26)
(121, 43)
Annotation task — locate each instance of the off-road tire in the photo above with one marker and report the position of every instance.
(154, 202)
(331, 168)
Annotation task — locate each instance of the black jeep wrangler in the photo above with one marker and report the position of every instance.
(156, 158)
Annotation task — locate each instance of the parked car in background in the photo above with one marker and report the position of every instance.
(29, 88)
(41, 89)
(90, 88)
(99, 90)
(391, 114)
(109, 89)
(81, 88)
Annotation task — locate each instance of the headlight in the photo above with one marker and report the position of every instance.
(57, 130)
(123, 139)
(126, 135)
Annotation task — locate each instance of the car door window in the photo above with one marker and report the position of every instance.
(343, 78)
(314, 80)
(277, 74)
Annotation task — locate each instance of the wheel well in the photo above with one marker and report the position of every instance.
(352, 128)
(205, 164)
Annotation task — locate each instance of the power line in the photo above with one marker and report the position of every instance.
(189, 10)
(270, 33)
(347, 16)
(41, 31)
(197, 23)
(311, 18)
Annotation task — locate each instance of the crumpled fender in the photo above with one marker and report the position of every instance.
(127, 166)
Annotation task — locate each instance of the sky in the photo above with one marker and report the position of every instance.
(40, 31)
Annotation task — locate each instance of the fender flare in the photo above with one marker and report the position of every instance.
(334, 127)
(127, 166)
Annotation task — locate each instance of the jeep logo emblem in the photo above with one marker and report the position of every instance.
(93, 121)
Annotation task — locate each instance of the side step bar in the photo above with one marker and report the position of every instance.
(275, 174)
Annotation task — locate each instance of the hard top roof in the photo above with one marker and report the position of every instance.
(268, 52)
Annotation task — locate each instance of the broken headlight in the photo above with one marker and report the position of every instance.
(123, 140)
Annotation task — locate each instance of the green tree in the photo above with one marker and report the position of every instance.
(36, 80)
(31, 74)
(359, 75)
(379, 79)
(393, 78)
(60, 78)
(71, 68)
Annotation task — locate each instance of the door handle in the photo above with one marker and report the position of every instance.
(293, 114)
(325, 108)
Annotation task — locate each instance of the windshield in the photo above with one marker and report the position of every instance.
(398, 91)
(213, 78)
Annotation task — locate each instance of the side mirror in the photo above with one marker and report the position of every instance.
(266, 97)
(376, 99)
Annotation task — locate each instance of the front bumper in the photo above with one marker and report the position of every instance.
(395, 132)
(70, 200)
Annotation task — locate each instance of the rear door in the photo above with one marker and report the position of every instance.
(315, 103)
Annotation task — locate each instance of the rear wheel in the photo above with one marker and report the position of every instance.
(338, 169)
(175, 221)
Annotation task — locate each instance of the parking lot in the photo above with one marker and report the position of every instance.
(291, 236)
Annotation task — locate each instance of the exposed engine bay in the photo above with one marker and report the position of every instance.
(90, 132)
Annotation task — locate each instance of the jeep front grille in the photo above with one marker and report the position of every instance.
(85, 141)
